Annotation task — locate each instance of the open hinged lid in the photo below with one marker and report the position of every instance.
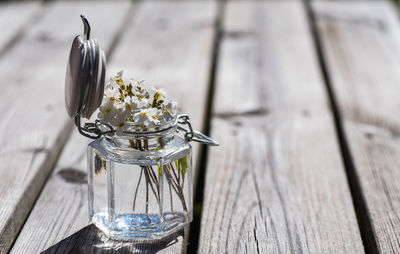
(85, 77)
(84, 90)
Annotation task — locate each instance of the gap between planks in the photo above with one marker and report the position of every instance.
(194, 235)
(364, 221)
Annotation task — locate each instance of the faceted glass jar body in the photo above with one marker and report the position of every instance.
(140, 187)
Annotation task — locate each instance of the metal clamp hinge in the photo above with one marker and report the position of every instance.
(92, 130)
(192, 135)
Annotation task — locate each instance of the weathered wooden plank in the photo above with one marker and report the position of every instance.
(169, 45)
(13, 19)
(361, 45)
(91, 240)
(34, 125)
(169, 53)
(277, 183)
(58, 222)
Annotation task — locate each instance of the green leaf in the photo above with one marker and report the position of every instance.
(184, 165)
(131, 143)
(159, 171)
(178, 168)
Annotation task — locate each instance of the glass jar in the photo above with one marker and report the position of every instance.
(140, 180)
(140, 183)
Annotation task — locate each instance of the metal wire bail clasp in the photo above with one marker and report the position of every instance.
(93, 130)
(192, 135)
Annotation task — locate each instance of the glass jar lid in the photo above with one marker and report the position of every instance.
(85, 77)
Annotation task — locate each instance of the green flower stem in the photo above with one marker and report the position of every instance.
(175, 181)
(148, 180)
(178, 189)
(172, 202)
(137, 188)
(147, 200)
(176, 177)
(156, 182)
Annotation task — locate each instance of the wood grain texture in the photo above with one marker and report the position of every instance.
(58, 222)
(169, 45)
(14, 18)
(91, 240)
(361, 45)
(169, 53)
(277, 182)
(62, 207)
(34, 126)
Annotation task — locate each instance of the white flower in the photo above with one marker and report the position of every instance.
(154, 92)
(118, 79)
(127, 104)
(170, 107)
(167, 116)
(120, 120)
(132, 103)
(120, 117)
(154, 115)
(148, 117)
(139, 91)
(110, 91)
(144, 104)
(107, 110)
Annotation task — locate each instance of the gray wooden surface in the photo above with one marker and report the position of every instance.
(65, 200)
(14, 20)
(279, 177)
(361, 44)
(37, 128)
(302, 97)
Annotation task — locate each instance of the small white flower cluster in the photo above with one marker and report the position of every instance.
(128, 106)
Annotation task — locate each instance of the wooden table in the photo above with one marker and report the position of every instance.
(304, 98)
